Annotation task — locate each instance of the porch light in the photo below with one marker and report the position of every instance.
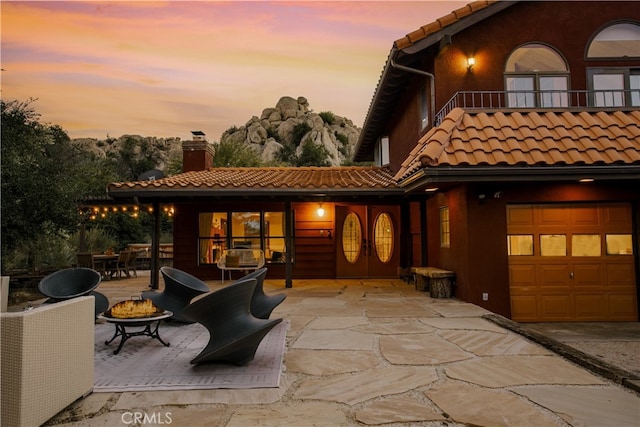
(471, 61)
(320, 210)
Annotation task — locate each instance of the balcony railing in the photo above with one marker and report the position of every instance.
(540, 100)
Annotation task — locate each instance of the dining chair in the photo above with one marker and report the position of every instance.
(131, 263)
(119, 266)
(85, 259)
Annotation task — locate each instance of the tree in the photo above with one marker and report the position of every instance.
(35, 188)
(235, 154)
(43, 176)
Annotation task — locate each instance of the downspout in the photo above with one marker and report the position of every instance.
(432, 80)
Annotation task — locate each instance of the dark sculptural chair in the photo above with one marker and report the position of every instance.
(73, 282)
(179, 289)
(234, 334)
(261, 304)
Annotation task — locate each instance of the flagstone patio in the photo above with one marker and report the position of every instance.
(372, 352)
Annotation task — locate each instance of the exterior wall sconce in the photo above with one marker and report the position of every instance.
(320, 211)
(471, 61)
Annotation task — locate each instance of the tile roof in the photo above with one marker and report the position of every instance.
(441, 23)
(296, 179)
(512, 139)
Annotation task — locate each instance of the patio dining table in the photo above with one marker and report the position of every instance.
(101, 261)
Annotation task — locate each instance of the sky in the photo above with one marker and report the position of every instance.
(164, 69)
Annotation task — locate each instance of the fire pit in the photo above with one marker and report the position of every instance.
(140, 313)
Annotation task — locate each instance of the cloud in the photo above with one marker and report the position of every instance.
(162, 68)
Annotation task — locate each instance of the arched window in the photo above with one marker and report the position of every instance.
(536, 76)
(616, 41)
(615, 86)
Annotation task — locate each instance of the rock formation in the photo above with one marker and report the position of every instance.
(275, 127)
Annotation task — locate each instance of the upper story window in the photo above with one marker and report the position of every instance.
(616, 41)
(536, 76)
(615, 86)
(424, 108)
(381, 154)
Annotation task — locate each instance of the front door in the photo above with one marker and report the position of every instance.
(367, 241)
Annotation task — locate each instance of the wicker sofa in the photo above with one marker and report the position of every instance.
(47, 360)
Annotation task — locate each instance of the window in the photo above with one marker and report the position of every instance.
(620, 86)
(536, 76)
(445, 230)
(619, 244)
(616, 41)
(351, 237)
(520, 245)
(382, 152)
(274, 236)
(212, 236)
(383, 237)
(615, 87)
(553, 245)
(253, 230)
(424, 108)
(585, 245)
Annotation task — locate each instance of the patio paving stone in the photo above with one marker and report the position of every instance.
(359, 387)
(420, 350)
(291, 415)
(587, 406)
(486, 343)
(504, 371)
(484, 407)
(334, 340)
(395, 326)
(329, 362)
(398, 409)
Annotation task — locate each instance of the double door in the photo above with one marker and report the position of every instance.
(367, 241)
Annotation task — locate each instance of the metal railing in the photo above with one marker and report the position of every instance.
(540, 100)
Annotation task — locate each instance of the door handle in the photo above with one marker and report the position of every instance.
(571, 275)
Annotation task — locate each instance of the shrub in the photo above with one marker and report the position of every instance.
(299, 131)
(328, 117)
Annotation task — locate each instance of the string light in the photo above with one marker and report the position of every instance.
(95, 212)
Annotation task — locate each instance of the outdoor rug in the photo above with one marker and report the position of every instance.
(144, 364)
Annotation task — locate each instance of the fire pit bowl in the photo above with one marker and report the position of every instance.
(69, 283)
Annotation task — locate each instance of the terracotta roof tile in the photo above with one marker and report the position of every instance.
(528, 139)
(302, 178)
(441, 23)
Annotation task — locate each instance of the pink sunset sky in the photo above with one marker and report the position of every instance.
(164, 69)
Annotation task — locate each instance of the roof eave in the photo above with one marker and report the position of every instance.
(178, 193)
(427, 176)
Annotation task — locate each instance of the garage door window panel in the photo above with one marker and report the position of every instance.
(619, 244)
(584, 245)
(553, 245)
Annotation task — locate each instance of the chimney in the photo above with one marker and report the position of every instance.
(197, 154)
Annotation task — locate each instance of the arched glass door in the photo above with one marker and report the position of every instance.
(367, 243)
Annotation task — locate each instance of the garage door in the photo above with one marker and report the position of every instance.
(571, 263)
